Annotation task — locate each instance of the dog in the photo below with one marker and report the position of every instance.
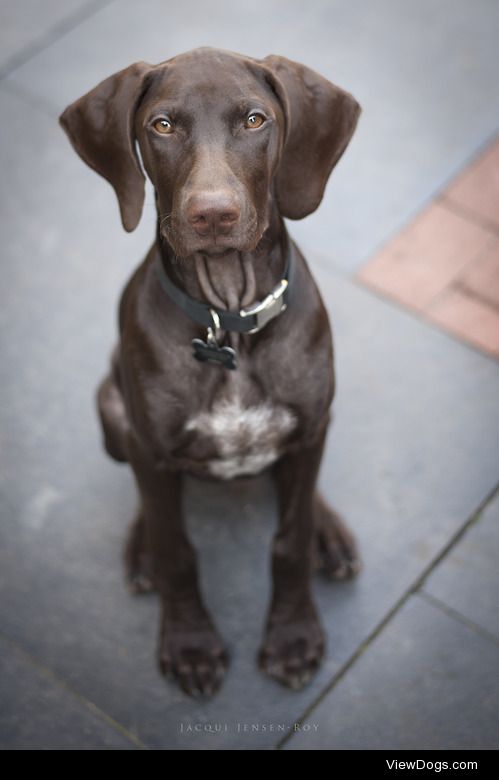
(224, 365)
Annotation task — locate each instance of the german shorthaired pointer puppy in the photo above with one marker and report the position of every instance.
(224, 365)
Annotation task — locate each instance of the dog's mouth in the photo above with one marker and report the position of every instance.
(217, 253)
(212, 250)
(185, 243)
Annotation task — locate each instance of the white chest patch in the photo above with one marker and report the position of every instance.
(247, 438)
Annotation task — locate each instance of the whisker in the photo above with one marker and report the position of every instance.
(164, 218)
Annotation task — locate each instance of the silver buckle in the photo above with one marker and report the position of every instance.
(267, 309)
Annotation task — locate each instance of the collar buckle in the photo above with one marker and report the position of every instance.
(266, 310)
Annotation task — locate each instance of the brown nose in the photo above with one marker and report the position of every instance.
(213, 213)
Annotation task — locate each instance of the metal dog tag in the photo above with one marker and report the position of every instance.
(210, 351)
(225, 356)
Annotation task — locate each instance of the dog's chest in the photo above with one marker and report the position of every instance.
(245, 438)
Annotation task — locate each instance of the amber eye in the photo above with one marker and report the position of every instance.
(254, 121)
(163, 126)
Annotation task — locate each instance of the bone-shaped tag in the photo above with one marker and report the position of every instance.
(225, 356)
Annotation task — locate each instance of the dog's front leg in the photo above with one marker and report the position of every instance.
(294, 641)
(190, 648)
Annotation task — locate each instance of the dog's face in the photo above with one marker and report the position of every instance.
(210, 130)
(222, 137)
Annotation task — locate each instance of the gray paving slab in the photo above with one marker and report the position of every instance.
(428, 682)
(467, 580)
(37, 713)
(426, 74)
(407, 428)
(27, 25)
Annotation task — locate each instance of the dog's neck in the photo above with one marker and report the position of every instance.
(235, 280)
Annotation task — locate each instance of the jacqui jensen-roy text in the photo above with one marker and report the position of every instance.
(246, 728)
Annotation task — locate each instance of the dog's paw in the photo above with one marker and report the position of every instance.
(335, 550)
(292, 652)
(196, 659)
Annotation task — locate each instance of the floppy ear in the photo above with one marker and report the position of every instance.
(100, 127)
(320, 120)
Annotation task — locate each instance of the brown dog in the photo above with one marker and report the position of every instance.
(224, 365)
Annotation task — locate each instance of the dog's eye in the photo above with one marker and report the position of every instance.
(254, 121)
(163, 126)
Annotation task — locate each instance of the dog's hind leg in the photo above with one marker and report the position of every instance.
(113, 416)
(335, 550)
(138, 559)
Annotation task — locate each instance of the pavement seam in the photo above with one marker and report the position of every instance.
(467, 213)
(464, 289)
(59, 30)
(412, 590)
(50, 675)
(454, 613)
(20, 92)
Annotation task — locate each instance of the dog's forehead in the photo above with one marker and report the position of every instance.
(208, 73)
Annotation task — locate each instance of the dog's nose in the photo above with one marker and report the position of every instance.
(213, 213)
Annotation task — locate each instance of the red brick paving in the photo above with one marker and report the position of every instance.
(422, 260)
(445, 263)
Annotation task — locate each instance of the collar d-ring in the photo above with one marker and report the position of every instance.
(213, 332)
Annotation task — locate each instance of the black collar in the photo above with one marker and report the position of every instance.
(251, 319)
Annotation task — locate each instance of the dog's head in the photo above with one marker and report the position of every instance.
(222, 137)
